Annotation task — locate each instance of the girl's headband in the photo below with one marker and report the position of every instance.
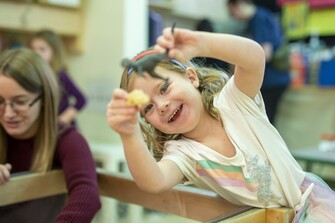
(150, 52)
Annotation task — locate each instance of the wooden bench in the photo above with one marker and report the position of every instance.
(185, 201)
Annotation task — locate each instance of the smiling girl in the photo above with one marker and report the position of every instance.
(210, 130)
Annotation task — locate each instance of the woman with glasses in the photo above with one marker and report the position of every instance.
(32, 139)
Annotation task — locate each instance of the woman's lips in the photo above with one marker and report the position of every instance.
(11, 124)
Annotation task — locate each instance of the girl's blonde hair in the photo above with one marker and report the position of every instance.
(211, 82)
(33, 74)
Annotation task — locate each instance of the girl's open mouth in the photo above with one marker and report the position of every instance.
(175, 114)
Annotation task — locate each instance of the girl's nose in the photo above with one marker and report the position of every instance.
(163, 107)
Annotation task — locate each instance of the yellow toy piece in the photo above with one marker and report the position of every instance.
(137, 97)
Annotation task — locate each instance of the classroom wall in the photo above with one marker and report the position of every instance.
(112, 30)
(187, 13)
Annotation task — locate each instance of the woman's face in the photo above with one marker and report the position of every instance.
(42, 48)
(175, 107)
(18, 124)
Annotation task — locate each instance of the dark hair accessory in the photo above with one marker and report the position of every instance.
(148, 60)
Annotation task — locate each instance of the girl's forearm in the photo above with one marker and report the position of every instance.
(142, 164)
(242, 52)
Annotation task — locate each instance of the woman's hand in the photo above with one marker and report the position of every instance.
(122, 116)
(5, 173)
(68, 115)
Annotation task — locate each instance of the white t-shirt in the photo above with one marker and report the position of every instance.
(263, 172)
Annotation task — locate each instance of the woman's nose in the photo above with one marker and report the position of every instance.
(8, 111)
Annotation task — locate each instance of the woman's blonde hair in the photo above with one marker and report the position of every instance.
(33, 74)
(211, 82)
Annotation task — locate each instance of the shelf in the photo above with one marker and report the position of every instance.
(32, 17)
(299, 20)
(62, 3)
(24, 18)
(161, 5)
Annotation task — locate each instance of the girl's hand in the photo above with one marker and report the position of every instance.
(121, 116)
(182, 44)
(5, 173)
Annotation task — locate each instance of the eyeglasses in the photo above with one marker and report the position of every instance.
(18, 105)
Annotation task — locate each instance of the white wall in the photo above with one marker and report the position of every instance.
(212, 9)
(113, 29)
(187, 13)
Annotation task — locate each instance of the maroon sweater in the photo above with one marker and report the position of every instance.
(74, 157)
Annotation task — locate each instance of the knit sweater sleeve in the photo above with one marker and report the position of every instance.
(79, 168)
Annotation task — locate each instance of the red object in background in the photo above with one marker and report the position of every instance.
(312, 3)
(297, 69)
(321, 3)
(281, 2)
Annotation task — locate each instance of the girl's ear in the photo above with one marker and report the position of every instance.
(192, 76)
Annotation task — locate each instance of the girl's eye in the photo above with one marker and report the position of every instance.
(164, 88)
(147, 108)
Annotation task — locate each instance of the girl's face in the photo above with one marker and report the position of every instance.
(175, 107)
(21, 124)
(42, 48)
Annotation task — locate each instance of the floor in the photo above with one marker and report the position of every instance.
(155, 217)
(113, 211)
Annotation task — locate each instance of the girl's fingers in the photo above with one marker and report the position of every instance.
(163, 44)
(119, 94)
(121, 112)
(165, 41)
(169, 32)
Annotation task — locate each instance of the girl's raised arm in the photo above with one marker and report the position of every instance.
(247, 55)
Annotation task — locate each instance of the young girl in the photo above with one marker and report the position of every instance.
(209, 130)
(49, 46)
(32, 139)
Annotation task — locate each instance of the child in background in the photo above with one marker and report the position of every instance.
(210, 130)
(32, 139)
(265, 29)
(50, 47)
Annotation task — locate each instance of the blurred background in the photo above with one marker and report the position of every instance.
(99, 34)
